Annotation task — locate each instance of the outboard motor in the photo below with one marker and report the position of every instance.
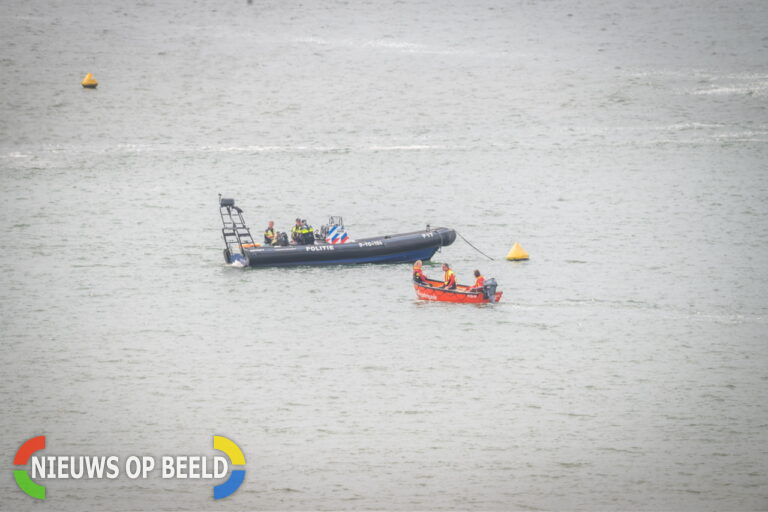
(489, 290)
(282, 239)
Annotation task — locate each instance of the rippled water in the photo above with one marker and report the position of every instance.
(623, 144)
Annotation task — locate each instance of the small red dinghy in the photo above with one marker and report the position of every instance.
(430, 290)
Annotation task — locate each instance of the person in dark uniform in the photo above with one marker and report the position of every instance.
(269, 234)
(296, 232)
(307, 232)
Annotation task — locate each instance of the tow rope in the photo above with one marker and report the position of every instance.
(472, 246)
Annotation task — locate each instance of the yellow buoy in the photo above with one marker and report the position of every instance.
(89, 82)
(517, 253)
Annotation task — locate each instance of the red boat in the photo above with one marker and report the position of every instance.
(431, 290)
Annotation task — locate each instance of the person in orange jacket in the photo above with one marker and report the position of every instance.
(449, 277)
(418, 275)
(479, 282)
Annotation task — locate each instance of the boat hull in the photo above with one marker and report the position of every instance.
(461, 295)
(401, 248)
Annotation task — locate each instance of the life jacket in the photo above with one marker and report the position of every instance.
(305, 234)
(450, 278)
(269, 235)
(418, 275)
(479, 282)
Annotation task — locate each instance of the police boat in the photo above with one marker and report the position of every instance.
(328, 246)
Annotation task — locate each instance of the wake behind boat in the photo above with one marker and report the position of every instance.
(241, 249)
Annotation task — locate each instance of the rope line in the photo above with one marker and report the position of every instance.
(472, 246)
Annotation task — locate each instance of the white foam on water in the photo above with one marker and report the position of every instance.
(394, 45)
(758, 89)
(411, 147)
(16, 154)
(381, 44)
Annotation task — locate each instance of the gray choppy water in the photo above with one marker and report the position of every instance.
(623, 144)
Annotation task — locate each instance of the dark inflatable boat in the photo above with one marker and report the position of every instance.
(400, 248)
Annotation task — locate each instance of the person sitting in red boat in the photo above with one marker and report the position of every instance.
(479, 282)
(418, 274)
(449, 279)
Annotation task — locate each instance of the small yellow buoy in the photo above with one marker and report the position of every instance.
(89, 82)
(517, 253)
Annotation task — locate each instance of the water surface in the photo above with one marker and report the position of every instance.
(622, 143)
